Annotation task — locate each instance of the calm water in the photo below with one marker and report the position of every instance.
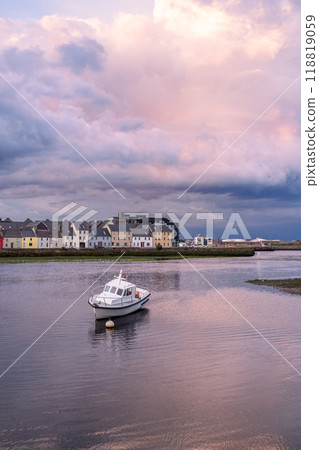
(187, 372)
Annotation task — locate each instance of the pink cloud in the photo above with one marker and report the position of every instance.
(163, 96)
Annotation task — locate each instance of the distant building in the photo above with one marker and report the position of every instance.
(44, 239)
(142, 236)
(12, 239)
(99, 237)
(120, 232)
(41, 231)
(239, 242)
(29, 238)
(203, 241)
(45, 234)
(161, 235)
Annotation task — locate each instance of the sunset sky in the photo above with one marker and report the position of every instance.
(152, 93)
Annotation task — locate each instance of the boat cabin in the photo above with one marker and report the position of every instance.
(118, 291)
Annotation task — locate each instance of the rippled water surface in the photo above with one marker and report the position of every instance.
(186, 372)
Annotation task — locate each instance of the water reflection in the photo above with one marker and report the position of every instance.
(125, 331)
(164, 280)
(185, 372)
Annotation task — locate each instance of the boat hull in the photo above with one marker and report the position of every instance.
(103, 312)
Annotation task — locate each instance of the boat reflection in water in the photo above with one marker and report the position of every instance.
(125, 332)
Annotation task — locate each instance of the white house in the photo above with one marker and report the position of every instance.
(201, 241)
(75, 235)
(141, 236)
(44, 239)
(100, 238)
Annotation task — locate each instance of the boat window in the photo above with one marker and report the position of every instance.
(129, 291)
(119, 291)
(107, 288)
(113, 290)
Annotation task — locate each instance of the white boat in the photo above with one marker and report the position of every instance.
(118, 297)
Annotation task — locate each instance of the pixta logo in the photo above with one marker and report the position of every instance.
(71, 215)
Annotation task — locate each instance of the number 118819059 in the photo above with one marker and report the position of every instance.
(310, 48)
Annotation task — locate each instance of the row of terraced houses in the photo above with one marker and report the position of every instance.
(97, 234)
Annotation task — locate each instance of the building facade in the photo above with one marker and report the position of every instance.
(161, 235)
(142, 236)
(121, 234)
(100, 238)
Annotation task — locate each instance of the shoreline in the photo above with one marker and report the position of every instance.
(131, 254)
(289, 285)
(39, 255)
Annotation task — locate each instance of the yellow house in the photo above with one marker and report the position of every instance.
(162, 235)
(28, 239)
(121, 235)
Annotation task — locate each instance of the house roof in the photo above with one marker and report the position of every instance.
(141, 230)
(11, 234)
(102, 232)
(27, 233)
(38, 224)
(160, 228)
(82, 225)
(12, 225)
(118, 227)
(44, 234)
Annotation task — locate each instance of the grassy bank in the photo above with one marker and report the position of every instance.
(290, 285)
(131, 254)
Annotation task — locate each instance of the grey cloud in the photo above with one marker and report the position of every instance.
(22, 133)
(130, 124)
(88, 53)
(23, 61)
(287, 191)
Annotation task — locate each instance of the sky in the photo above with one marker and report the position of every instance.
(148, 96)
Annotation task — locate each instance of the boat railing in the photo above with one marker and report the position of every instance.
(97, 290)
(140, 288)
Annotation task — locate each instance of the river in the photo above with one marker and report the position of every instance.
(202, 366)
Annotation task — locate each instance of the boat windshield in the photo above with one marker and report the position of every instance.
(119, 291)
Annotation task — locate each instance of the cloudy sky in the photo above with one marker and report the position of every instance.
(151, 93)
